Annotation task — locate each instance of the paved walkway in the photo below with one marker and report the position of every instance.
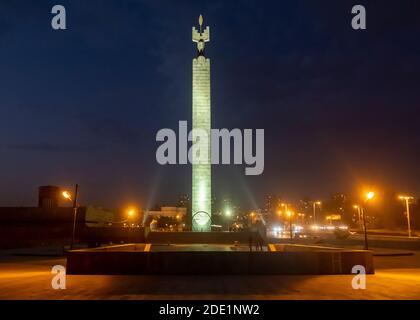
(26, 277)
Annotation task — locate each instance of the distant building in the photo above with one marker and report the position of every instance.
(48, 197)
(169, 212)
(48, 223)
(50, 211)
(271, 203)
(184, 201)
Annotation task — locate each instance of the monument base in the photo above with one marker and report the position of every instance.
(216, 259)
(221, 237)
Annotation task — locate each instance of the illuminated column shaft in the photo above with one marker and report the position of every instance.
(201, 119)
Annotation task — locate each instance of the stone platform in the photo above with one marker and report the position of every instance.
(212, 259)
(200, 237)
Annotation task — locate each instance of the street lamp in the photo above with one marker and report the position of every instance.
(286, 210)
(407, 205)
(356, 206)
(314, 204)
(131, 213)
(290, 214)
(369, 196)
(252, 216)
(66, 195)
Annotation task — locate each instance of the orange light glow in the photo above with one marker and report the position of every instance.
(66, 195)
(370, 195)
(131, 212)
(405, 197)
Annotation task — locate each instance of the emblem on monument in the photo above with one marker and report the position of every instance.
(200, 36)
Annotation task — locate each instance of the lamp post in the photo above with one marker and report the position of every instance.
(370, 195)
(67, 196)
(290, 214)
(359, 216)
(252, 215)
(285, 205)
(228, 216)
(314, 204)
(130, 217)
(407, 206)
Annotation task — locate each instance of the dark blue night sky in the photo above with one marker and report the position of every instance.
(340, 108)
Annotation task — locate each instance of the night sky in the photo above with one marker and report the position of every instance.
(340, 108)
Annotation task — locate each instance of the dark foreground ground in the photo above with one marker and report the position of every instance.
(29, 277)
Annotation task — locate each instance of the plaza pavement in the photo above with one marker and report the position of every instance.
(29, 277)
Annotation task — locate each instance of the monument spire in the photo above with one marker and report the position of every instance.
(201, 124)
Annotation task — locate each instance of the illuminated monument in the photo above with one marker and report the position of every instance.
(286, 258)
(201, 121)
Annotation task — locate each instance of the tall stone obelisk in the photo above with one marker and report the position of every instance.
(201, 120)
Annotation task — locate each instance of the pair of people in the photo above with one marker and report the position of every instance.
(257, 240)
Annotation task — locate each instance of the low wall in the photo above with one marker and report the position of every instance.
(97, 236)
(286, 247)
(400, 244)
(122, 261)
(200, 237)
(20, 235)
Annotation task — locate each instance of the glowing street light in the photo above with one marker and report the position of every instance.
(131, 213)
(407, 205)
(369, 196)
(132, 216)
(66, 195)
(290, 215)
(285, 206)
(314, 204)
(252, 215)
(357, 207)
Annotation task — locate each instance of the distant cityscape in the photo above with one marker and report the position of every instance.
(388, 214)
